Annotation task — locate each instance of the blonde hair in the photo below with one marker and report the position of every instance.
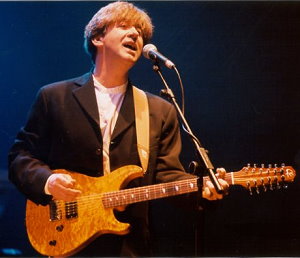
(112, 13)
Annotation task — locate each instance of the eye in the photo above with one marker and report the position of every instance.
(123, 25)
(139, 30)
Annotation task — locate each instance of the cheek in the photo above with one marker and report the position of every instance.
(141, 44)
(141, 41)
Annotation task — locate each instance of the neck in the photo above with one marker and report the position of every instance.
(110, 75)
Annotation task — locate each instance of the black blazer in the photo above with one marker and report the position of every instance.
(63, 131)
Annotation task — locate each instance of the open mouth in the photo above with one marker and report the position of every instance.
(131, 47)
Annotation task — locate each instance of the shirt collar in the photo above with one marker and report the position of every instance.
(112, 90)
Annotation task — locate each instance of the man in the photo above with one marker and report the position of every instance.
(87, 125)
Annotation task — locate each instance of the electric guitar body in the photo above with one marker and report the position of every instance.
(63, 228)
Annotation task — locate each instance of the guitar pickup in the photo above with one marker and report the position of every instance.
(71, 209)
(55, 211)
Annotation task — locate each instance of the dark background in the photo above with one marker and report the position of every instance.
(240, 67)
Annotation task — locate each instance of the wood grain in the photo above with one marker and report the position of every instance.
(93, 219)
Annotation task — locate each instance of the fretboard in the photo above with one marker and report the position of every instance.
(229, 178)
(146, 193)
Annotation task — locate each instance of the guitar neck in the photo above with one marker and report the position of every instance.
(229, 178)
(248, 177)
(147, 193)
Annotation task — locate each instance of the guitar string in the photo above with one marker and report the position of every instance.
(115, 199)
(71, 206)
(142, 191)
(139, 194)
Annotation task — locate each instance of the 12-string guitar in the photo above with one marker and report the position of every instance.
(63, 228)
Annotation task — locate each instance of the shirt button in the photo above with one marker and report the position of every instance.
(98, 151)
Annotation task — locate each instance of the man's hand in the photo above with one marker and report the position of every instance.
(209, 192)
(62, 187)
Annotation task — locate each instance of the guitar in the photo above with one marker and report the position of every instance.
(63, 228)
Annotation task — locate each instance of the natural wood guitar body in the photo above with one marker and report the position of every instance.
(63, 228)
(64, 236)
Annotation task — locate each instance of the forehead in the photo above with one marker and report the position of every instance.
(138, 23)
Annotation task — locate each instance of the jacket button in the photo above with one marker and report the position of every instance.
(98, 151)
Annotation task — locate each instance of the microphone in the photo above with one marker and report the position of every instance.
(150, 52)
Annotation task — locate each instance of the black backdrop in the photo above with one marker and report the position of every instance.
(240, 66)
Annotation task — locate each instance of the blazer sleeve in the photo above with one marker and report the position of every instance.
(168, 166)
(26, 159)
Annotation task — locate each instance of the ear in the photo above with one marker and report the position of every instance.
(97, 41)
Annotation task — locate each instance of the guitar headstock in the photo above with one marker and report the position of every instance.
(257, 178)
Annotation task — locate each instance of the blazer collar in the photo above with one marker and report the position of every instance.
(85, 95)
(126, 115)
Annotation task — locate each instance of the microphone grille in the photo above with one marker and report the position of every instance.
(148, 48)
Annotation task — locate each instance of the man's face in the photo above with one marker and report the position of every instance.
(122, 43)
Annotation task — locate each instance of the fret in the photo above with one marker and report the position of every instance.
(145, 193)
(229, 178)
(64, 218)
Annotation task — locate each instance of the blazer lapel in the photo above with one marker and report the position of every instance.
(126, 115)
(86, 97)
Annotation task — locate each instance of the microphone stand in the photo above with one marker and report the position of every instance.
(201, 152)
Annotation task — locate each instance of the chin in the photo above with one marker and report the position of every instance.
(131, 59)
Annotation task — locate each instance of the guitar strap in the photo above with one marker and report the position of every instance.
(142, 124)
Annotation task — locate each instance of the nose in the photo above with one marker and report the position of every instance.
(133, 32)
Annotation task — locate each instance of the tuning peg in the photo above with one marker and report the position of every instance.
(270, 183)
(278, 186)
(262, 168)
(250, 191)
(248, 167)
(276, 169)
(281, 171)
(249, 188)
(263, 185)
(257, 190)
(256, 186)
(276, 182)
(269, 168)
